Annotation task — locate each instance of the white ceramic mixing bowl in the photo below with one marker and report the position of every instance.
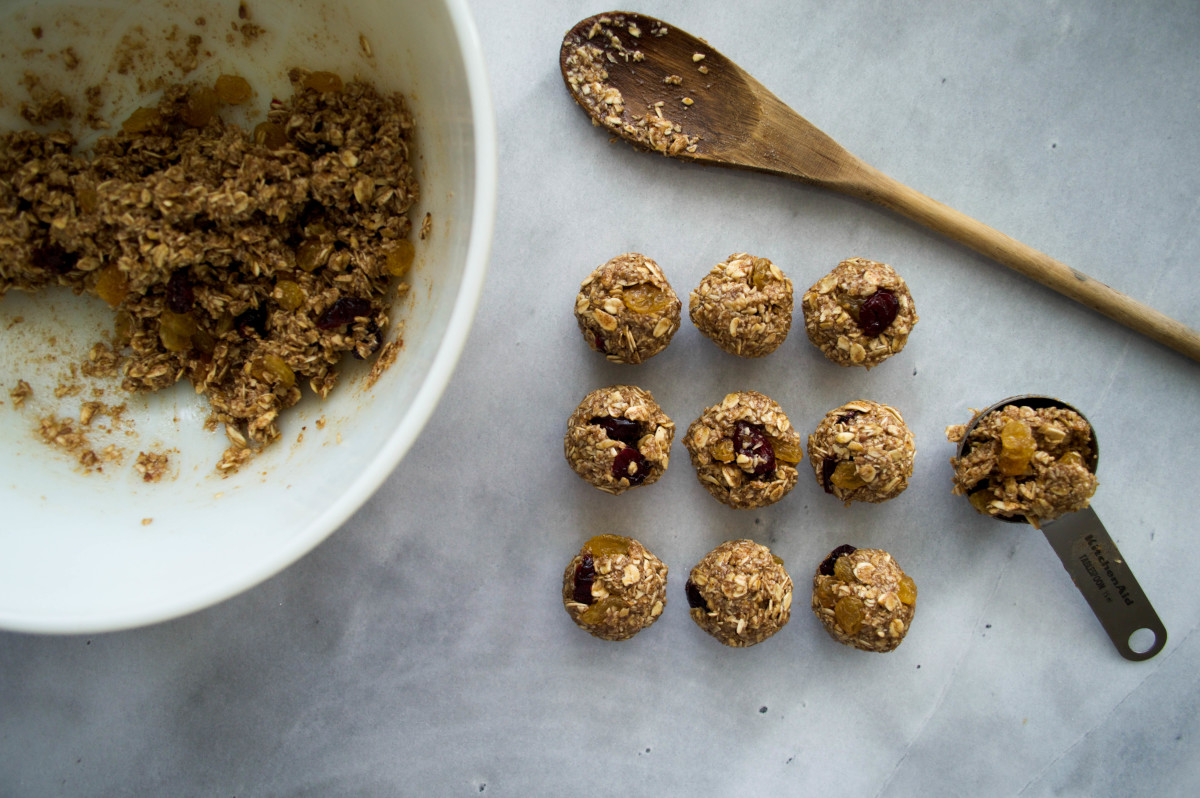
(87, 552)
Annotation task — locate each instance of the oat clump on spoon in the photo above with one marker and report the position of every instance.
(585, 67)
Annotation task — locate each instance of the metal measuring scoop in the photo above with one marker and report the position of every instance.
(1091, 557)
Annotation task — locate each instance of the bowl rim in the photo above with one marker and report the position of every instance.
(385, 461)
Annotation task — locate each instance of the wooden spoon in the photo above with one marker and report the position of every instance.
(667, 91)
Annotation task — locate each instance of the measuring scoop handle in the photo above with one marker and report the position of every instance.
(1105, 580)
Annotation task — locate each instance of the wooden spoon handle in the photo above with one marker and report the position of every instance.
(873, 185)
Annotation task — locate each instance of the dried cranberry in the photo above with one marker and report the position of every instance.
(253, 320)
(344, 311)
(180, 295)
(847, 417)
(585, 575)
(631, 465)
(828, 465)
(877, 312)
(619, 429)
(751, 441)
(599, 343)
(54, 258)
(826, 567)
(694, 599)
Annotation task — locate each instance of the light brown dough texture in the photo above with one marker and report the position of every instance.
(864, 599)
(1056, 478)
(592, 452)
(862, 452)
(627, 310)
(628, 587)
(831, 310)
(729, 475)
(744, 305)
(746, 591)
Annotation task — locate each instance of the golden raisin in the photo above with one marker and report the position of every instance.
(203, 341)
(233, 89)
(200, 107)
(980, 500)
(825, 595)
(123, 327)
(270, 135)
(843, 569)
(400, 258)
(846, 477)
(323, 81)
(777, 559)
(849, 612)
(645, 298)
(723, 450)
(143, 120)
(112, 285)
(607, 545)
(595, 613)
(760, 273)
(281, 371)
(786, 451)
(288, 294)
(1016, 447)
(907, 590)
(1072, 459)
(88, 200)
(312, 254)
(852, 304)
(175, 331)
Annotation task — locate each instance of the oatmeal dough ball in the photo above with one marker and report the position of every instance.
(863, 598)
(745, 450)
(859, 314)
(740, 593)
(744, 305)
(626, 309)
(619, 438)
(1021, 462)
(614, 588)
(862, 452)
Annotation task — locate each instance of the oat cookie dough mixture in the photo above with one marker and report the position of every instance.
(614, 588)
(586, 58)
(1021, 462)
(863, 598)
(619, 438)
(627, 310)
(862, 452)
(744, 305)
(247, 263)
(745, 450)
(740, 593)
(859, 314)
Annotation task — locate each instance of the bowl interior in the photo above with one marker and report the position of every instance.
(83, 552)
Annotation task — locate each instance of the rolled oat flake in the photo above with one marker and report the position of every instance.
(1075, 532)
